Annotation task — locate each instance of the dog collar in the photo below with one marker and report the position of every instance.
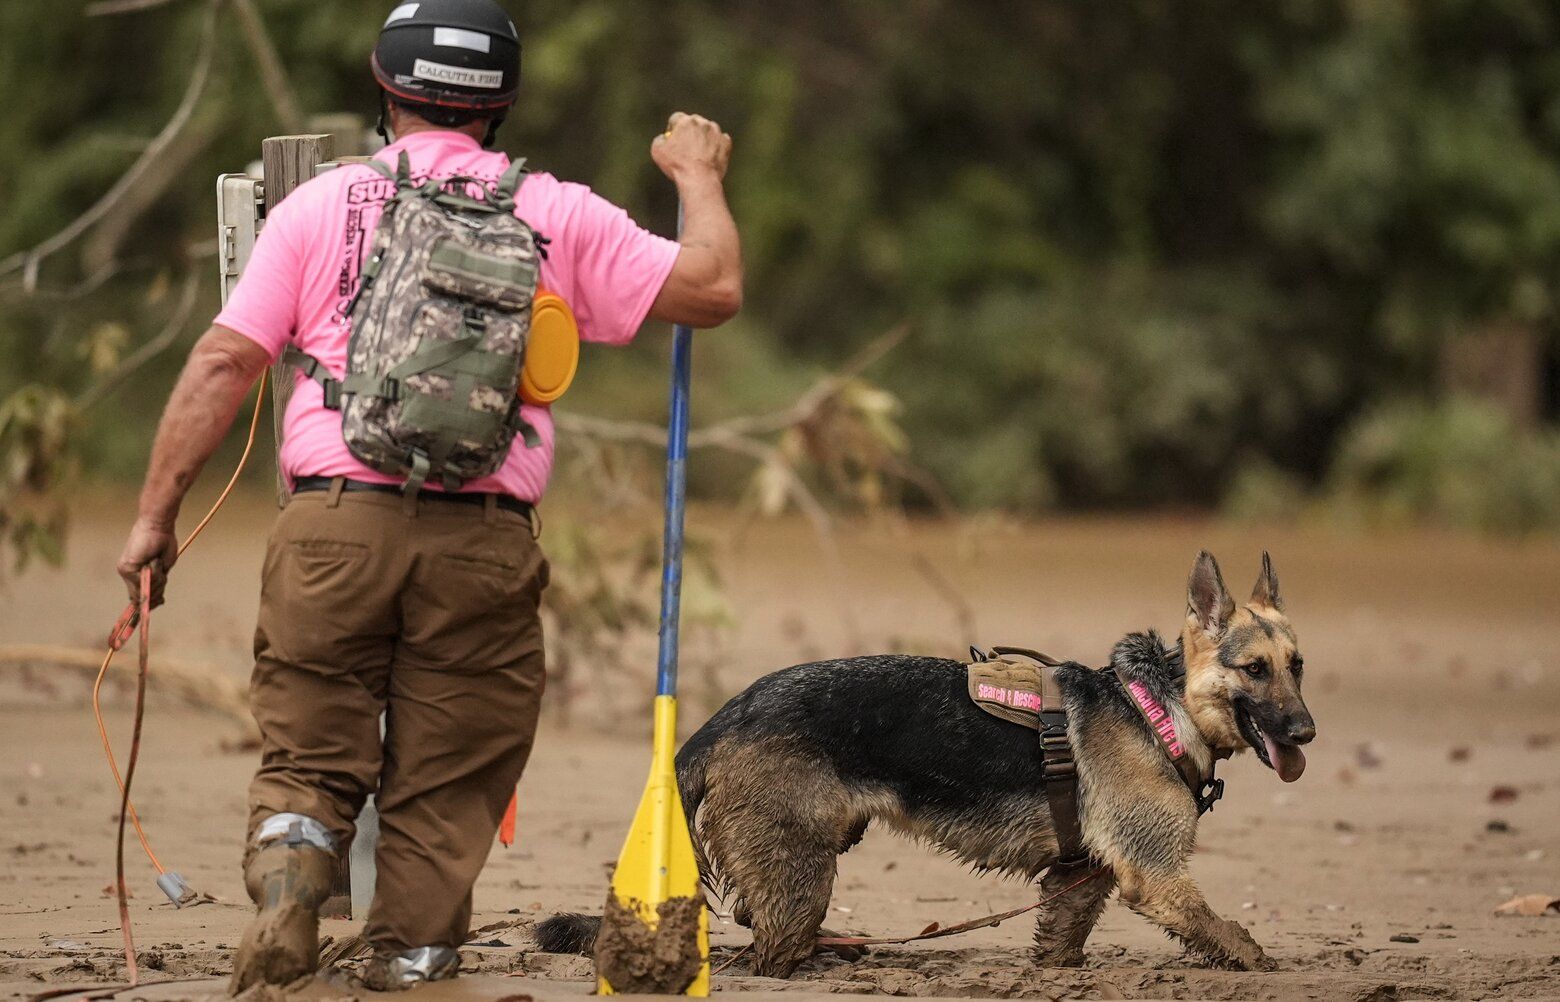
(1206, 791)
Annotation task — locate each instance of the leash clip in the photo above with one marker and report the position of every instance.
(1211, 793)
(176, 888)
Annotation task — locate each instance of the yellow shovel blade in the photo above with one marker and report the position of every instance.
(657, 861)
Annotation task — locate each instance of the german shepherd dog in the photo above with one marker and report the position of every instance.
(789, 774)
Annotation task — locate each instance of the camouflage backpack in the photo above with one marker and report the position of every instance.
(439, 328)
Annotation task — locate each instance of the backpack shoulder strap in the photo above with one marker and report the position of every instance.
(315, 370)
(510, 182)
(401, 175)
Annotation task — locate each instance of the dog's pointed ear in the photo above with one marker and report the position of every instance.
(1207, 601)
(1265, 593)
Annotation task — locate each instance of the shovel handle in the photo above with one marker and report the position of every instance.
(676, 502)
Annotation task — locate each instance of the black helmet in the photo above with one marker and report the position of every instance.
(457, 54)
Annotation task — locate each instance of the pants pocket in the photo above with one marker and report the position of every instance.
(322, 567)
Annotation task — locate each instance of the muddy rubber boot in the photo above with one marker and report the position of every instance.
(393, 972)
(288, 879)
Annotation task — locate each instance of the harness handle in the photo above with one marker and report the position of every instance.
(1030, 653)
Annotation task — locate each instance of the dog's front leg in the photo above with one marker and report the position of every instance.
(1175, 904)
(1067, 914)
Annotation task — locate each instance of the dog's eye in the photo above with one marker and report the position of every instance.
(1256, 669)
(1297, 667)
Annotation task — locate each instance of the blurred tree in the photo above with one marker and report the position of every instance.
(1418, 148)
(1141, 246)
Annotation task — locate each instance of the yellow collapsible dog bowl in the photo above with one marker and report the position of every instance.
(552, 353)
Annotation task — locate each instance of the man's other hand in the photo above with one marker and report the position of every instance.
(691, 143)
(148, 544)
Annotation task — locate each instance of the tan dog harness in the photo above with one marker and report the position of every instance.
(1020, 686)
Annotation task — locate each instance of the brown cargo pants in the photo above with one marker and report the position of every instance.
(430, 617)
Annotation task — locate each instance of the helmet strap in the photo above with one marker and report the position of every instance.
(381, 127)
(492, 129)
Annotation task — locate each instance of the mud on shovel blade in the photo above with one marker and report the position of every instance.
(655, 933)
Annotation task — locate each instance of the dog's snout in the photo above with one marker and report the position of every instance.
(1300, 730)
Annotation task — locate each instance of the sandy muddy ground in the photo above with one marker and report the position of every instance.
(1433, 672)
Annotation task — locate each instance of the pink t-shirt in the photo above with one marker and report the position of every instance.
(305, 267)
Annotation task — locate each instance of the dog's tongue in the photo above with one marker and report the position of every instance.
(1288, 760)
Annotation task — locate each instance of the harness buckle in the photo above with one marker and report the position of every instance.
(1211, 793)
(1056, 760)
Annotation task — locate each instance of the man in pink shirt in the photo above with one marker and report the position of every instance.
(424, 612)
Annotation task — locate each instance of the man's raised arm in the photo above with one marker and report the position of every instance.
(705, 286)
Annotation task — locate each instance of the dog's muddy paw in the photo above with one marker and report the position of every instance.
(1057, 958)
(1247, 961)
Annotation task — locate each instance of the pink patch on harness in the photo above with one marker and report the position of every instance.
(1158, 717)
(1016, 698)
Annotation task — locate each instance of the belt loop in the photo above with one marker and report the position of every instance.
(490, 509)
(333, 495)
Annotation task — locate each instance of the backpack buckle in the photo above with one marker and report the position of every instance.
(331, 388)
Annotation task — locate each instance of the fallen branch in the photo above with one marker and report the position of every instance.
(28, 261)
(717, 436)
(201, 686)
(745, 436)
(810, 403)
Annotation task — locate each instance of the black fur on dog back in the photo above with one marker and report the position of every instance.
(907, 723)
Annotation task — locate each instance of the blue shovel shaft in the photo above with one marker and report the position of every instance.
(676, 502)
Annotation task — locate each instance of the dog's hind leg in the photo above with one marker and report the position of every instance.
(773, 823)
(1064, 922)
(786, 905)
(779, 876)
(1175, 904)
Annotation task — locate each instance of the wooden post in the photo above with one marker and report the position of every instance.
(289, 161)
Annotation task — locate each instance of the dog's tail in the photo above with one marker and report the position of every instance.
(692, 764)
(568, 932)
(571, 932)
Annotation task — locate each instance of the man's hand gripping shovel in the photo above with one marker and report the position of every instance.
(655, 935)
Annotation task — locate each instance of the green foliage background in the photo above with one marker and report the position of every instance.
(1153, 254)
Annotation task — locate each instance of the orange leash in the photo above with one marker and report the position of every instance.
(139, 614)
(145, 617)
